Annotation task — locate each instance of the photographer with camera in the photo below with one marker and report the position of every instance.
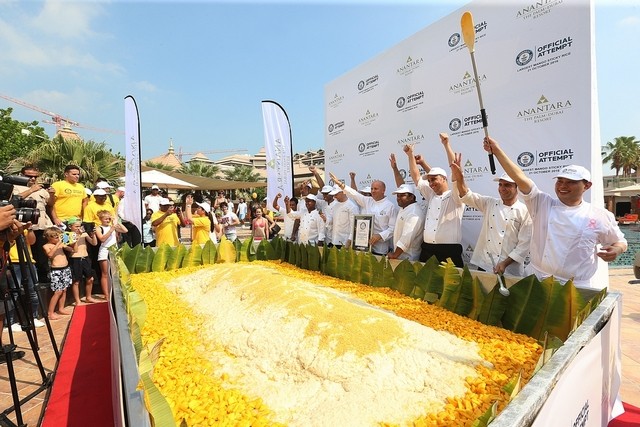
(44, 196)
(10, 228)
(166, 222)
(31, 279)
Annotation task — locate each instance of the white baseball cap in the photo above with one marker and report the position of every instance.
(155, 187)
(404, 188)
(122, 189)
(335, 190)
(575, 173)
(206, 206)
(99, 192)
(88, 191)
(311, 197)
(103, 185)
(164, 201)
(366, 189)
(437, 171)
(504, 177)
(326, 189)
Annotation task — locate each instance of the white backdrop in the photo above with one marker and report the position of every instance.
(536, 66)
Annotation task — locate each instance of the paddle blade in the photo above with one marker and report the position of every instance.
(468, 30)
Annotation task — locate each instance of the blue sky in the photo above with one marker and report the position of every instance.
(198, 70)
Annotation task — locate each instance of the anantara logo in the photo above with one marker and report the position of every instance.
(467, 84)
(544, 110)
(336, 101)
(411, 138)
(472, 171)
(410, 65)
(537, 9)
(336, 157)
(368, 118)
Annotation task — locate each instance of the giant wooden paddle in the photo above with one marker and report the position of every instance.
(469, 36)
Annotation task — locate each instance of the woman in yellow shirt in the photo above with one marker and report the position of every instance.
(200, 221)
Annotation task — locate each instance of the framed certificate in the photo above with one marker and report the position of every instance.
(362, 229)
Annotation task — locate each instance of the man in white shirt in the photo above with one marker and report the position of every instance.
(311, 230)
(383, 210)
(289, 222)
(241, 211)
(407, 235)
(341, 218)
(152, 201)
(506, 225)
(569, 234)
(442, 235)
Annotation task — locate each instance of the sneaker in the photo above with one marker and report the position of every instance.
(16, 327)
(38, 323)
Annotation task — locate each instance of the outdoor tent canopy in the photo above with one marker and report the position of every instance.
(204, 183)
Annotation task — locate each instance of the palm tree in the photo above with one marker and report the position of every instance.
(245, 173)
(158, 165)
(624, 154)
(242, 173)
(94, 159)
(200, 169)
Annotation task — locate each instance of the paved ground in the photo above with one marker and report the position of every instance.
(29, 378)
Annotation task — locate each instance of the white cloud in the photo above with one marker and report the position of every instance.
(629, 22)
(146, 86)
(69, 20)
(54, 37)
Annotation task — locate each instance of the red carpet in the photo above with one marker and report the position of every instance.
(630, 418)
(81, 394)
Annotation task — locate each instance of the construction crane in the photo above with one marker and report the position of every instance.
(56, 119)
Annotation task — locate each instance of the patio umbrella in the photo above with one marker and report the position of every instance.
(163, 180)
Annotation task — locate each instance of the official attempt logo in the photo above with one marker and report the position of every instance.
(335, 128)
(454, 40)
(410, 101)
(524, 57)
(526, 159)
(368, 84)
(549, 53)
(455, 124)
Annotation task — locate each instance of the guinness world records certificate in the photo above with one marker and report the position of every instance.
(362, 229)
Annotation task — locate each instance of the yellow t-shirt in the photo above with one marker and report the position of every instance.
(13, 250)
(69, 199)
(167, 231)
(201, 228)
(92, 209)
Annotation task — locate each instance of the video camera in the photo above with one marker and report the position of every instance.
(26, 210)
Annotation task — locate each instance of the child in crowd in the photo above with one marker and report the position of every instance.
(80, 261)
(60, 272)
(107, 236)
(148, 234)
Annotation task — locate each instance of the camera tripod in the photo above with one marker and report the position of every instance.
(20, 295)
